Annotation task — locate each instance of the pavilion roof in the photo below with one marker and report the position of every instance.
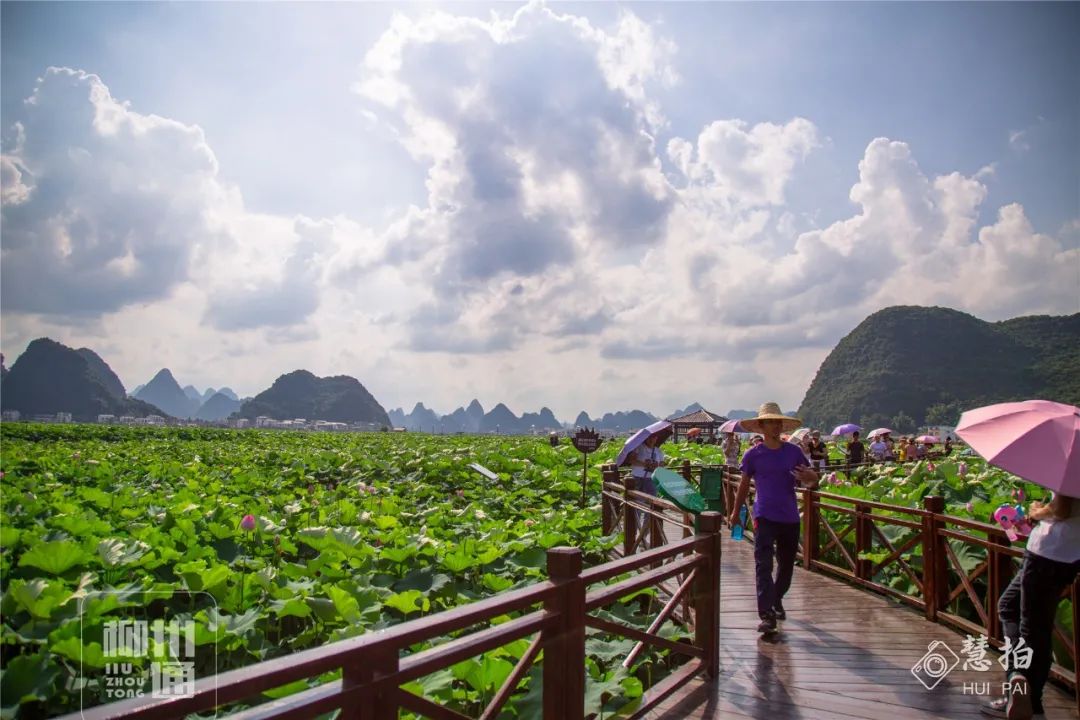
(698, 417)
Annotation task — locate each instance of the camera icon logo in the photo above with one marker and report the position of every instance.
(932, 667)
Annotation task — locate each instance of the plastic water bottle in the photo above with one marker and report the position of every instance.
(737, 531)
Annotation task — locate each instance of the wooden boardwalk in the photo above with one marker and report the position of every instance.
(842, 653)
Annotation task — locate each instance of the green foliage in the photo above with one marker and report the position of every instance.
(903, 423)
(353, 532)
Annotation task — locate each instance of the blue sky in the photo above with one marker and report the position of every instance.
(446, 205)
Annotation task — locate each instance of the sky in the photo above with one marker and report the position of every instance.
(599, 206)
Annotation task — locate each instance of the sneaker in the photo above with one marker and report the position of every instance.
(779, 612)
(767, 624)
(1019, 701)
(1000, 709)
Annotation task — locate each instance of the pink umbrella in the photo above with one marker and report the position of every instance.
(1038, 440)
(927, 439)
(879, 431)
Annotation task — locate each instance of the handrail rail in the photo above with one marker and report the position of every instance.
(373, 665)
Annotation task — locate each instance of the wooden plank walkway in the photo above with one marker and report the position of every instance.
(842, 653)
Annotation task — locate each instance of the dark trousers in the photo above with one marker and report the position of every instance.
(782, 540)
(1027, 609)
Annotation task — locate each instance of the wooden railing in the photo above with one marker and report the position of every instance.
(876, 546)
(554, 613)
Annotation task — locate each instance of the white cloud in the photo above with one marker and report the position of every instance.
(1018, 140)
(740, 165)
(557, 257)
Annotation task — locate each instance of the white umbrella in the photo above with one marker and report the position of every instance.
(799, 434)
(635, 441)
(878, 431)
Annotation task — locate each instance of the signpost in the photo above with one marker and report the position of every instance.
(586, 441)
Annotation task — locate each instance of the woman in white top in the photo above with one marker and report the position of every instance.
(1029, 604)
(644, 460)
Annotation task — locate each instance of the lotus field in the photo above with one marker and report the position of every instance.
(272, 542)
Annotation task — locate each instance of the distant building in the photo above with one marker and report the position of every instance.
(155, 420)
(63, 417)
(106, 418)
(43, 418)
(11, 415)
(242, 423)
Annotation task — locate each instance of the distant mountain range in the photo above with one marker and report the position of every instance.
(50, 378)
(902, 367)
(164, 392)
(501, 419)
(905, 367)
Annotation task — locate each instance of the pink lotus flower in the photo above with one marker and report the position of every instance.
(530, 523)
(930, 467)
(830, 479)
(970, 507)
(961, 469)
(461, 493)
(248, 523)
(1018, 495)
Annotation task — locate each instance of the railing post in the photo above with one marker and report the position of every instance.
(707, 590)
(609, 473)
(372, 705)
(686, 471)
(1076, 640)
(864, 540)
(999, 574)
(811, 515)
(564, 645)
(935, 561)
(629, 517)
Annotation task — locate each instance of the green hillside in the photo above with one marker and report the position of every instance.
(931, 363)
(300, 394)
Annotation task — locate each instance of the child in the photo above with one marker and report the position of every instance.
(1029, 603)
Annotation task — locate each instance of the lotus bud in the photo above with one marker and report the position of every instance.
(530, 523)
(961, 469)
(970, 507)
(248, 523)
(461, 493)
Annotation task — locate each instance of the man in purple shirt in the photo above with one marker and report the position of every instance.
(775, 467)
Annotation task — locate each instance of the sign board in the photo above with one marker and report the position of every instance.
(675, 488)
(484, 471)
(586, 441)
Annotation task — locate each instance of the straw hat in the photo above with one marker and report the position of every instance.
(771, 411)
